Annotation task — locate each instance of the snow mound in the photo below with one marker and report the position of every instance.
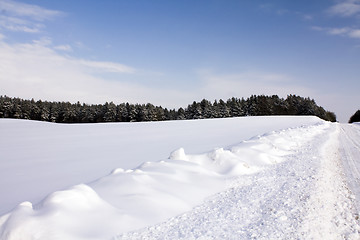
(126, 200)
(178, 154)
(76, 213)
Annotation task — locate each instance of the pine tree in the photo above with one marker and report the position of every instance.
(206, 109)
(355, 117)
(109, 112)
(180, 114)
(223, 110)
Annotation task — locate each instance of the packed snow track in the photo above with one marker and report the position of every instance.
(350, 154)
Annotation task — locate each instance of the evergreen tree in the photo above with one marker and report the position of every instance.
(160, 114)
(279, 106)
(109, 112)
(193, 111)
(151, 112)
(180, 114)
(222, 109)
(330, 116)
(206, 109)
(235, 107)
(131, 113)
(122, 112)
(355, 117)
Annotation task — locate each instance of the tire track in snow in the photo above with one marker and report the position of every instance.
(330, 210)
(350, 154)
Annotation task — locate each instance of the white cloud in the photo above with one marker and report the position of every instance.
(355, 33)
(338, 31)
(19, 25)
(307, 17)
(66, 48)
(105, 66)
(21, 17)
(317, 28)
(345, 31)
(45, 41)
(35, 12)
(345, 8)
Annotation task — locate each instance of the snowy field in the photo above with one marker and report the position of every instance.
(240, 178)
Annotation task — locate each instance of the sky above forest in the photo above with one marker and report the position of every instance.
(171, 53)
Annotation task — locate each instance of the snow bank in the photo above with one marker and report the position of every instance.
(126, 200)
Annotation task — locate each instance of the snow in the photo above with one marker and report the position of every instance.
(241, 178)
(40, 158)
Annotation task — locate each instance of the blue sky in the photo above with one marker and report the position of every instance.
(171, 53)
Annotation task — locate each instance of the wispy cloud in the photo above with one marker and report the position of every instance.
(16, 24)
(345, 31)
(317, 28)
(283, 11)
(338, 31)
(271, 8)
(66, 48)
(355, 33)
(345, 8)
(266, 6)
(307, 17)
(45, 74)
(12, 8)
(44, 41)
(21, 17)
(105, 66)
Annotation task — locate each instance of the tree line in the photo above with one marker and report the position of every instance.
(66, 112)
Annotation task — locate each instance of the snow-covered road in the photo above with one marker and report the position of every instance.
(350, 155)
